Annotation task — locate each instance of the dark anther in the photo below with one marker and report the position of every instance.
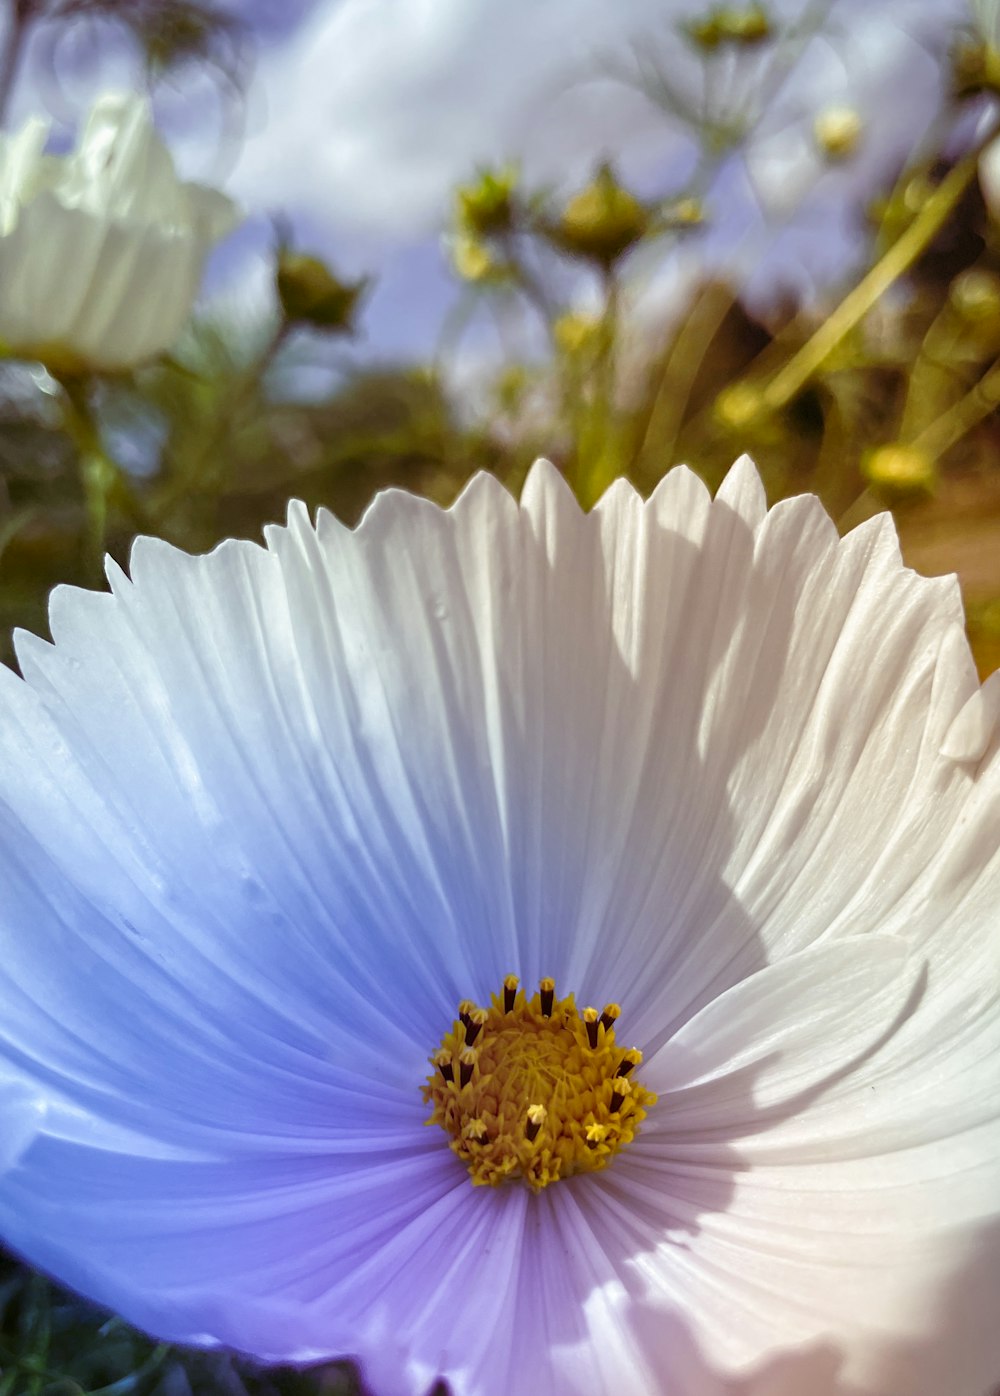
(466, 1062)
(547, 993)
(509, 992)
(591, 1023)
(631, 1059)
(536, 1118)
(610, 1016)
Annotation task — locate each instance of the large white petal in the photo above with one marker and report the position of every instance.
(385, 767)
(657, 728)
(288, 807)
(145, 852)
(282, 1255)
(822, 1174)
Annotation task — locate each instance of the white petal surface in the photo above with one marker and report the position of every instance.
(271, 814)
(972, 731)
(813, 1169)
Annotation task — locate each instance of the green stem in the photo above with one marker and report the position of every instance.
(598, 464)
(961, 417)
(864, 507)
(206, 465)
(98, 472)
(662, 419)
(530, 286)
(790, 379)
(135, 1380)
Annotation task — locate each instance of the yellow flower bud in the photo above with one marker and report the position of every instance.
(746, 24)
(975, 67)
(897, 473)
(837, 132)
(486, 208)
(705, 32)
(678, 214)
(975, 294)
(576, 331)
(310, 294)
(738, 406)
(472, 259)
(601, 222)
(743, 25)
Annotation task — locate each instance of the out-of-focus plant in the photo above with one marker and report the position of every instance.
(873, 400)
(310, 294)
(101, 255)
(169, 33)
(101, 252)
(882, 397)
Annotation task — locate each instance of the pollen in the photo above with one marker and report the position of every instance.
(533, 1088)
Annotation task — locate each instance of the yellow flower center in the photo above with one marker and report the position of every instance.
(535, 1089)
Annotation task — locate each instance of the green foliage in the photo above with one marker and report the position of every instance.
(220, 454)
(54, 1344)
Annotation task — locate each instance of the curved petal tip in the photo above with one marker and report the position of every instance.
(972, 730)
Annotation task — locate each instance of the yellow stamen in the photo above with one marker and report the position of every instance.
(542, 1095)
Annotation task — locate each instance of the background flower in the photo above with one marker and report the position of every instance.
(101, 252)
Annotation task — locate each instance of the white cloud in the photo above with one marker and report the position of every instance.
(361, 119)
(370, 113)
(376, 107)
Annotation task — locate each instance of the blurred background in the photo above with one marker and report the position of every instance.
(620, 235)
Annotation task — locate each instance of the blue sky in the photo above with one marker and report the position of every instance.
(361, 115)
(369, 111)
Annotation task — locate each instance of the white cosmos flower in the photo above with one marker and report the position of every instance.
(269, 815)
(101, 251)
